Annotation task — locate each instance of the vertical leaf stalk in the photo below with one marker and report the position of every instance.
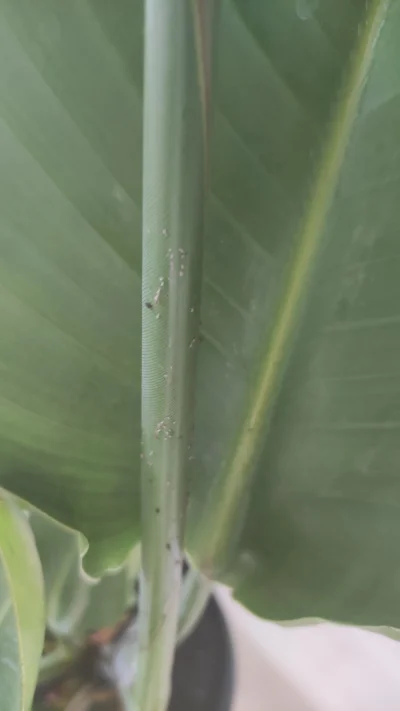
(178, 57)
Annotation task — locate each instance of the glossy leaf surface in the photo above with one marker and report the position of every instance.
(305, 152)
(21, 610)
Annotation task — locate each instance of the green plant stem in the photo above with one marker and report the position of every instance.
(196, 591)
(179, 41)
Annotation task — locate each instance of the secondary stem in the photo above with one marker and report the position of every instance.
(196, 591)
(178, 37)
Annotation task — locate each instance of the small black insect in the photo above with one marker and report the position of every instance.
(148, 304)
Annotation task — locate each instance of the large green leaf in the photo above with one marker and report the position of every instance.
(70, 137)
(21, 610)
(298, 385)
(323, 520)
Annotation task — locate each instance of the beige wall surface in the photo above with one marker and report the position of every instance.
(316, 668)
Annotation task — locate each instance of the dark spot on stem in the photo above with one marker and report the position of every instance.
(148, 304)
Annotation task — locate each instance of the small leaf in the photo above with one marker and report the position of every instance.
(21, 610)
(75, 603)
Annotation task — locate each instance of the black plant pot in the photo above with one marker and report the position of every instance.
(203, 675)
